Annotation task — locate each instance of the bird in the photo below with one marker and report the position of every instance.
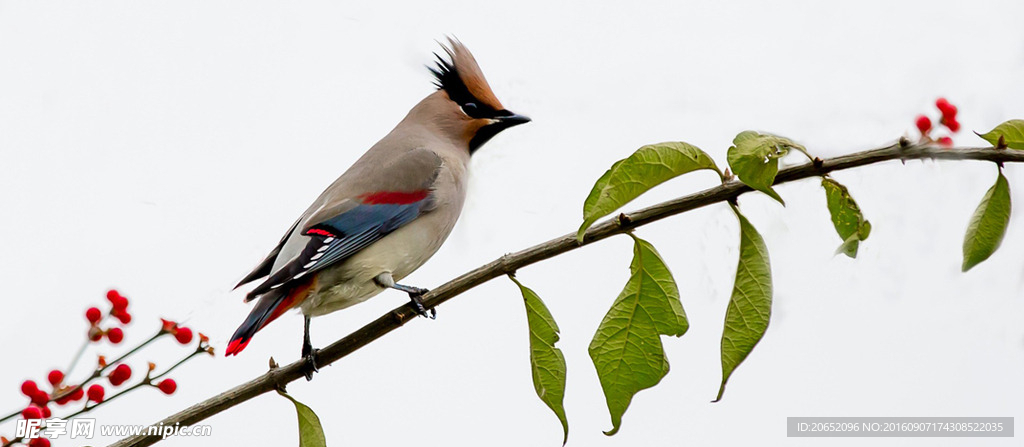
(388, 213)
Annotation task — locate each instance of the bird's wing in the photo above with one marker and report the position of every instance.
(267, 265)
(395, 195)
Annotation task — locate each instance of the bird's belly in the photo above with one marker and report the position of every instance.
(400, 253)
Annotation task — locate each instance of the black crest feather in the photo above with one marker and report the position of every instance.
(446, 77)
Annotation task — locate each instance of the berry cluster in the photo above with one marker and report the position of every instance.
(947, 118)
(116, 371)
(118, 310)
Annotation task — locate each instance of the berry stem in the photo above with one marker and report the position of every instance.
(133, 350)
(74, 360)
(168, 370)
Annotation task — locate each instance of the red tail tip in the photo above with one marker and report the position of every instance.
(236, 346)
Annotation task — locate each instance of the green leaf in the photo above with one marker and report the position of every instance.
(988, 225)
(648, 167)
(750, 306)
(1012, 132)
(546, 361)
(846, 217)
(311, 433)
(754, 158)
(626, 349)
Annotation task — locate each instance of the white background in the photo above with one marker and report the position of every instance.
(163, 147)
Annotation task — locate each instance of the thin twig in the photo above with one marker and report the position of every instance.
(278, 377)
(76, 358)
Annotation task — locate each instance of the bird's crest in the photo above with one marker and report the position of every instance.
(461, 77)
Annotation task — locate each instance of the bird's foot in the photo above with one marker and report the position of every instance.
(309, 355)
(414, 296)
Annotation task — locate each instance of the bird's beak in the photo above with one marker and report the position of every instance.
(512, 120)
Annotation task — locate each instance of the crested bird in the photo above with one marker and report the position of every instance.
(388, 213)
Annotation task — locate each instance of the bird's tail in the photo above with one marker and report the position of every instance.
(270, 306)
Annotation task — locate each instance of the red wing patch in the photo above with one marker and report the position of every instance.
(394, 197)
(319, 232)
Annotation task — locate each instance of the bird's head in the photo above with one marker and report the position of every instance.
(464, 104)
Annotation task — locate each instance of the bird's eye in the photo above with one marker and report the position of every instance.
(469, 108)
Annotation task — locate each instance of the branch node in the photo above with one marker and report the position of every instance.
(904, 142)
(817, 163)
(397, 315)
(506, 267)
(1001, 143)
(280, 387)
(624, 220)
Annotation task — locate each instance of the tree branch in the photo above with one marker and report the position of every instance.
(509, 263)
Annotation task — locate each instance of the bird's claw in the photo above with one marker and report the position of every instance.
(309, 355)
(418, 303)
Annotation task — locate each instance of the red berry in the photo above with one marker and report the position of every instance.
(120, 375)
(118, 301)
(953, 125)
(40, 398)
(93, 315)
(29, 388)
(115, 335)
(78, 394)
(55, 377)
(95, 334)
(32, 412)
(96, 393)
(923, 124)
(119, 304)
(39, 442)
(184, 335)
(46, 412)
(946, 141)
(167, 386)
(125, 317)
(948, 110)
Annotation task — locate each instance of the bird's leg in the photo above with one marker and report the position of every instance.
(414, 295)
(385, 280)
(308, 352)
